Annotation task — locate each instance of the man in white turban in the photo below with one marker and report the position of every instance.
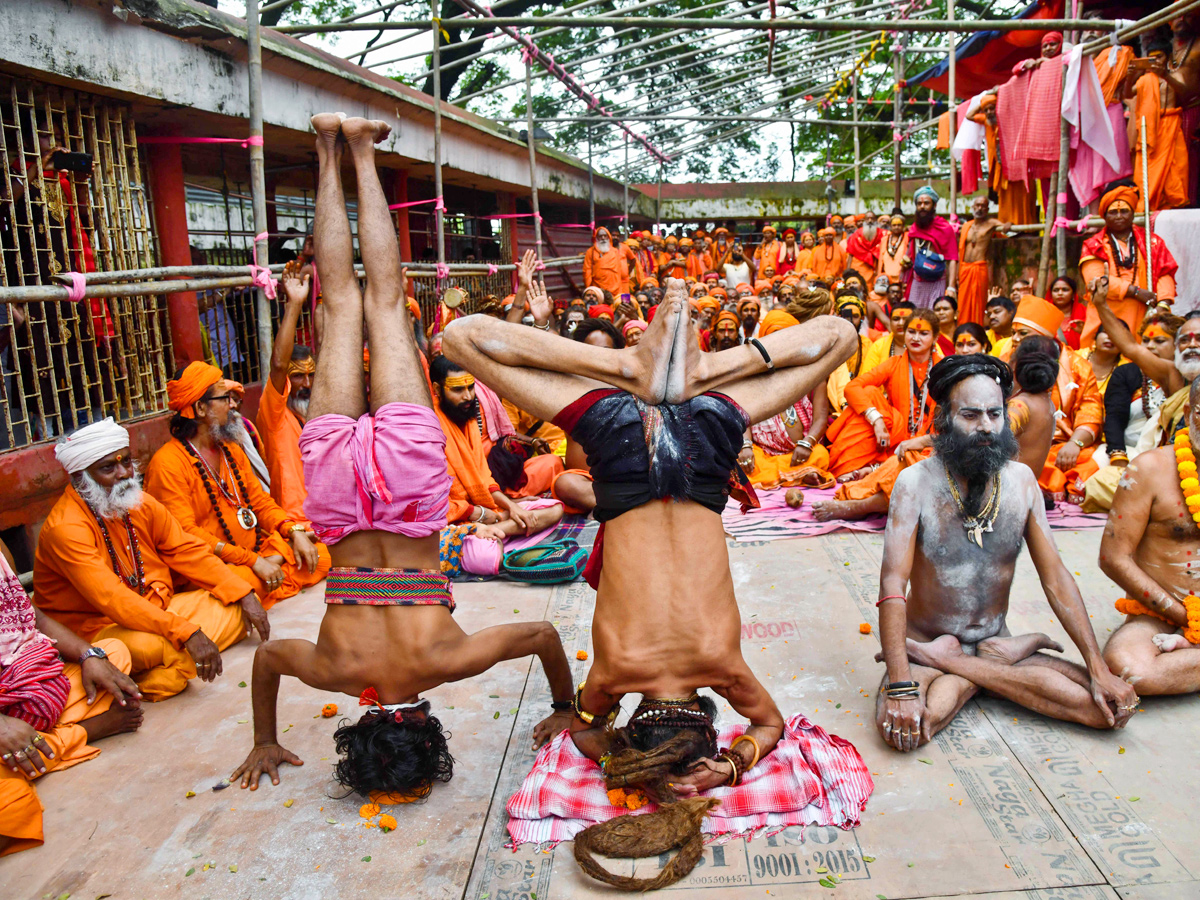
(106, 564)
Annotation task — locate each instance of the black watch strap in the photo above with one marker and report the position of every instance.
(561, 705)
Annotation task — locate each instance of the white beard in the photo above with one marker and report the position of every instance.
(869, 232)
(114, 503)
(603, 246)
(298, 406)
(1188, 364)
(233, 430)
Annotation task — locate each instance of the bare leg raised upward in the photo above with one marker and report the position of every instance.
(396, 373)
(338, 384)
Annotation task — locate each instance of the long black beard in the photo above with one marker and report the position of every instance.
(460, 415)
(976, 458)
(925, 219)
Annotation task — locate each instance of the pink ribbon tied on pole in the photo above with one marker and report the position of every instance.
(77, 290)
(260, 276)
(492, 270)
(443, 271)
(252, 141)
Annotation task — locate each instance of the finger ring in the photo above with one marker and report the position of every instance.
(19, 754)
(28, 750)
(887, 726)
(906, 734)
(6, 756)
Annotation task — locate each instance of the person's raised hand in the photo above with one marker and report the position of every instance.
(270, 572)
(526, 268)
(99, 675)
(256, 615)
(551, 726)
(22, 749)
(264, 760)
(295, 287)
(205, 655)
(994, 292)
(307, 557)
(540, 304)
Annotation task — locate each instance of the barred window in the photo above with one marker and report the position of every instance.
(73, 200)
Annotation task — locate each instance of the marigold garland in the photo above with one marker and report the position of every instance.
(1185, 463)
(1191, 603)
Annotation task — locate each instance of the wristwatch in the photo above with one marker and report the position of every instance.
(90, 652)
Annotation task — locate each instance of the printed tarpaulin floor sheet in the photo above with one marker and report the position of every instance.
(810, 778)
(774, 520)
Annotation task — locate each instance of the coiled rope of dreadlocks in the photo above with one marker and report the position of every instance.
(675, 824)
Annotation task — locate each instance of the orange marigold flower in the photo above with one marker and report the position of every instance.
(617, 796)
(329, 710)
(369, 810)
(387, 823)
(581, 654)
(864, 628)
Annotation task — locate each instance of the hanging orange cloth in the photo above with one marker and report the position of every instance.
(1166, 146)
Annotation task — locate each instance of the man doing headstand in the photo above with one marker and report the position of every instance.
(956, 525)
(377, 495)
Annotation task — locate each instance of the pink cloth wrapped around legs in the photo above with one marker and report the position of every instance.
(385, 472)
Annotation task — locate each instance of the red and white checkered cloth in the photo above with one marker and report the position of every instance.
(810, 778)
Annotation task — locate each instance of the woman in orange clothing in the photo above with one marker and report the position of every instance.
(786, 448)
(893, 247)
(889, 406)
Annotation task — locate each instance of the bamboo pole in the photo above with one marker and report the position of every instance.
(1064, 158)
(258, 183)
(953, 105)
(897, 112)
(857, 147)
(1146, 209)
(533, 188)
(1051, 212)
(439, 213)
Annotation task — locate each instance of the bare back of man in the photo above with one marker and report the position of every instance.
(952, 625)
(1151, 549)
(1036, 432)
(379, 638)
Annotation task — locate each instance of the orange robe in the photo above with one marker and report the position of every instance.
(883, 479)
(766, 256)
(279, 430)
(828, 263)
(852, 443)
(1097, 252)
(1112, 76)
(890, 261)
(676, 271)
(699, 264)
(173, 478)
(540, 470)
(20, 809)
(1016, 201)
(607, 271)
(74, 583)
(1166, 147)
(973, 283)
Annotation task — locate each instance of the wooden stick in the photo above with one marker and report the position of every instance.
(1146, 208)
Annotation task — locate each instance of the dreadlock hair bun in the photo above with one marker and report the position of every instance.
(953, 369)
(636, 837)
(1035, 365)
(810, 304)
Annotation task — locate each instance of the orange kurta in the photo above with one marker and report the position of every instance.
(1166, 147)
(852, 443)
(829, 263)
(20, 808)
(772, 471)
(172, 477)
(1097, 253)
(891, 255)
(607, 271)
(1078, 398)
(471, 480)
(767, 256)
(280, 432)
(1016, 202)
(698, 264)
(74, 582)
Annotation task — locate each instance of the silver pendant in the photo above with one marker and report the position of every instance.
(247, 518)
(975, 532)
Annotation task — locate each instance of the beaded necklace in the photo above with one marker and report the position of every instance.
(1128, 261)
(136, 581)
(916, 412)
(246, 517)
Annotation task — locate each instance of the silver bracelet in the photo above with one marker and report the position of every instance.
(746, 445)
(872, 415)
(545, 327)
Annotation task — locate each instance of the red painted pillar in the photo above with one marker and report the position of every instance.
(399, 194)
(164, 166)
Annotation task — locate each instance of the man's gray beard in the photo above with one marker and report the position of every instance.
(232, 431)
(869, 232)
(112, 503)
(298, 406)
(1189, 368)
(603, 246)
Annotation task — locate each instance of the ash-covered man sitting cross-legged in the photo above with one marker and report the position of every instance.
(955, 528)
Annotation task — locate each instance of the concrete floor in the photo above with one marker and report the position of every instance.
(1004, 802)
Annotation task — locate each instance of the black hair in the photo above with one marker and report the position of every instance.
(646, 736)
(948, 299)
(587, 326)
(380, 754)
(1035, 365)
(441, 367)
(903, 304)
(1120, 182)
(1190, 314)
(953, 369)
(1001, 300)
(976, 331)
(300, 352)
(182, 427)
(851, 273)
(1068, 280)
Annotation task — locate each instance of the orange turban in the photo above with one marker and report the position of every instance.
(726, 316)
(776, 320)
(826, 231)
(708, 303)
(1038, 314)
(686, 243)
(235, 387)
(1124, 192)
(650, 281)
(719, 291)
(748, 301)
(193, 384)
(413, 309)
(761, 285)
(988, 101)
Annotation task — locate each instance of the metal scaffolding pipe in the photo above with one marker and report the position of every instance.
(701, 24)
(258, 181)
(439, 213)
(951, 56)
(529, 139)
(847, 123)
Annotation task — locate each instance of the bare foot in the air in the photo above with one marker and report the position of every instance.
(1011, 650)
(1170, 642)
(117, 720)
(359, 130)
(935, 652)
(328, 125)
